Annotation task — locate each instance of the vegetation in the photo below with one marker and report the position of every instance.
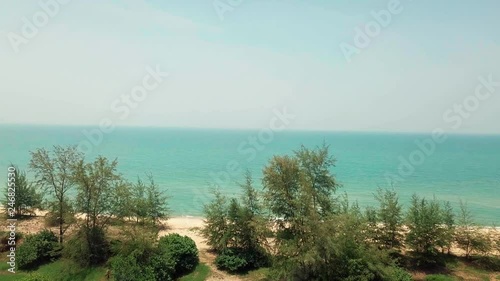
(27, 196)
(316, 235)
(296, 228)
(469, 237)
(201, 273)
(54, 172)
(429, 228)
(37, 249)
(387, 220)
(173, 257)
(182, 250)
(237, 230)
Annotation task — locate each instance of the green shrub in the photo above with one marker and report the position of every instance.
(231, 261)
(487, 263)
(4, 240)
(241, 260)
(131, 268)
(164, 266)
(399, 274)
(182, 251)
(438, 277)
(88, 247)
(37, 249)
(139, 260)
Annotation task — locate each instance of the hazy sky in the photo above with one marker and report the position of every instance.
(264, 55)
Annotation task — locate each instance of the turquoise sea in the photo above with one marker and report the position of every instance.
(187, 163)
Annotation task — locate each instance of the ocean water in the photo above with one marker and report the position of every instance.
(188, 163)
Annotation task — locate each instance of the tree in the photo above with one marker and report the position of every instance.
(282, 187)
(157, 204)
(54, 173)
(251, 218)
(317, 236)
(315, 166)
(427, 228)
(468, 236)
(26, 195)
(96, 184)
(237, 229)
(148, 204)
(337, 248)
(448, 234)
(390, 217)
(216, 230)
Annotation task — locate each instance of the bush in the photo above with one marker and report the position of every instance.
(438, 277)
(399, 274)
(164, 266)
(133, 261)
(487, 263)
(129, 268)
(37, 249)
(240, 260)
(88, 247)
(139, 260)
(4, 240)
(182, 251)
(231, 261)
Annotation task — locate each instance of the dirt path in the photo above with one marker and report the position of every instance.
(190, 227)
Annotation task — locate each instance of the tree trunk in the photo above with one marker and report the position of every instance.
(61, 221)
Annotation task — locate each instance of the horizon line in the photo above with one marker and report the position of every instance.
(253, 129)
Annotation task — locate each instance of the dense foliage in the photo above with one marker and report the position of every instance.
(297, 226)
(237, 230)
(27, 197)
(312, 234)
(182, 251)
(37, 249)
(174, 256)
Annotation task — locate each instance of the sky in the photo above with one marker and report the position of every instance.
(234, 63)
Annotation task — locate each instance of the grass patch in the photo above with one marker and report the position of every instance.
(64, 270)
(200, 273)
(61, 270)
(256, 275)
